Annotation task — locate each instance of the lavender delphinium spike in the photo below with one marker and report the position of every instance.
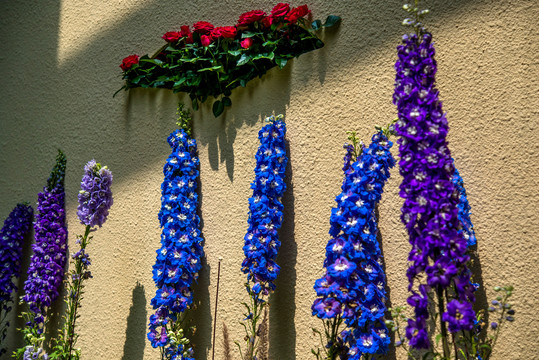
(430, 210)
(95, 200)
(46, 270)
(265, 219)
(179, 258)
(353, 287)
(95, 196)
(16, 226)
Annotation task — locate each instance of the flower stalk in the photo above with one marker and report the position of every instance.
(95, 200)
(265, 219)
(12, 234)
(352, 289)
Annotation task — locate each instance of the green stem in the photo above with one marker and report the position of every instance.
(74, 300)
(441, 309)
(417, 20)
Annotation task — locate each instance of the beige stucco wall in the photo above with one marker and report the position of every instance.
(59, 68)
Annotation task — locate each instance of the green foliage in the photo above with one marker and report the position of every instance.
(464, 345)
(332, 344)
(184, 119)
(215, 70)
(58, 172)
(64, 343)
(255, 311)
(29, 333)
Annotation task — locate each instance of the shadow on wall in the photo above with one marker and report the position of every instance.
(250, 105)
(135, 332)
(282, 327)
(200, 316)
(392, 353)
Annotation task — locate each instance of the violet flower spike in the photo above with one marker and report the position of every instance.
(46, 270)
(95, 199)
(16, 226)
(430, 210)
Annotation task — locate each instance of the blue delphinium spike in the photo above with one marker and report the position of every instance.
(266, 210)
(179, 258)
(353, 286)
(464, 210)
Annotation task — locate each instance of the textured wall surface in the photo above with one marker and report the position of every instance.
(59, 68)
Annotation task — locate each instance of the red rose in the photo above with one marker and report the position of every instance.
(246, 43)
(281, 9)
(172, 36)
(205, 40)
(297, 13)
(129, 61)
(185, 31)
(203, 27)
(266, 22)
(226, 32)
(250, 17)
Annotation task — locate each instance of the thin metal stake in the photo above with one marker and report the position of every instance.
(216, 301)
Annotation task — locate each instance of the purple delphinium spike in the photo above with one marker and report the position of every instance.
(354, 283)
(430, 210)
(46, 270)
(95, 196)
(95, 200)
(179, 258)
(16, 226)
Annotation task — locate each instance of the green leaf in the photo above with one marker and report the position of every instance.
(317, 24)
(234, 52)
(153, 61)
(269, 42)
(244, 59)
(281, 62)
(218, 108)
(213, 68)
(195, 104)
(137, 79)
(332, 20)
(249, 34)
(193, 60)
(270, 56)
(179, 82)
(226, 101)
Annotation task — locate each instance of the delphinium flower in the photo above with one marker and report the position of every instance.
(95, 196)
(46, 270)
(353, 286)
(32, 353)
(438, 259)
(16, 226)
(179, 258)
(265, 219)
(464, 209)
(95, 200)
